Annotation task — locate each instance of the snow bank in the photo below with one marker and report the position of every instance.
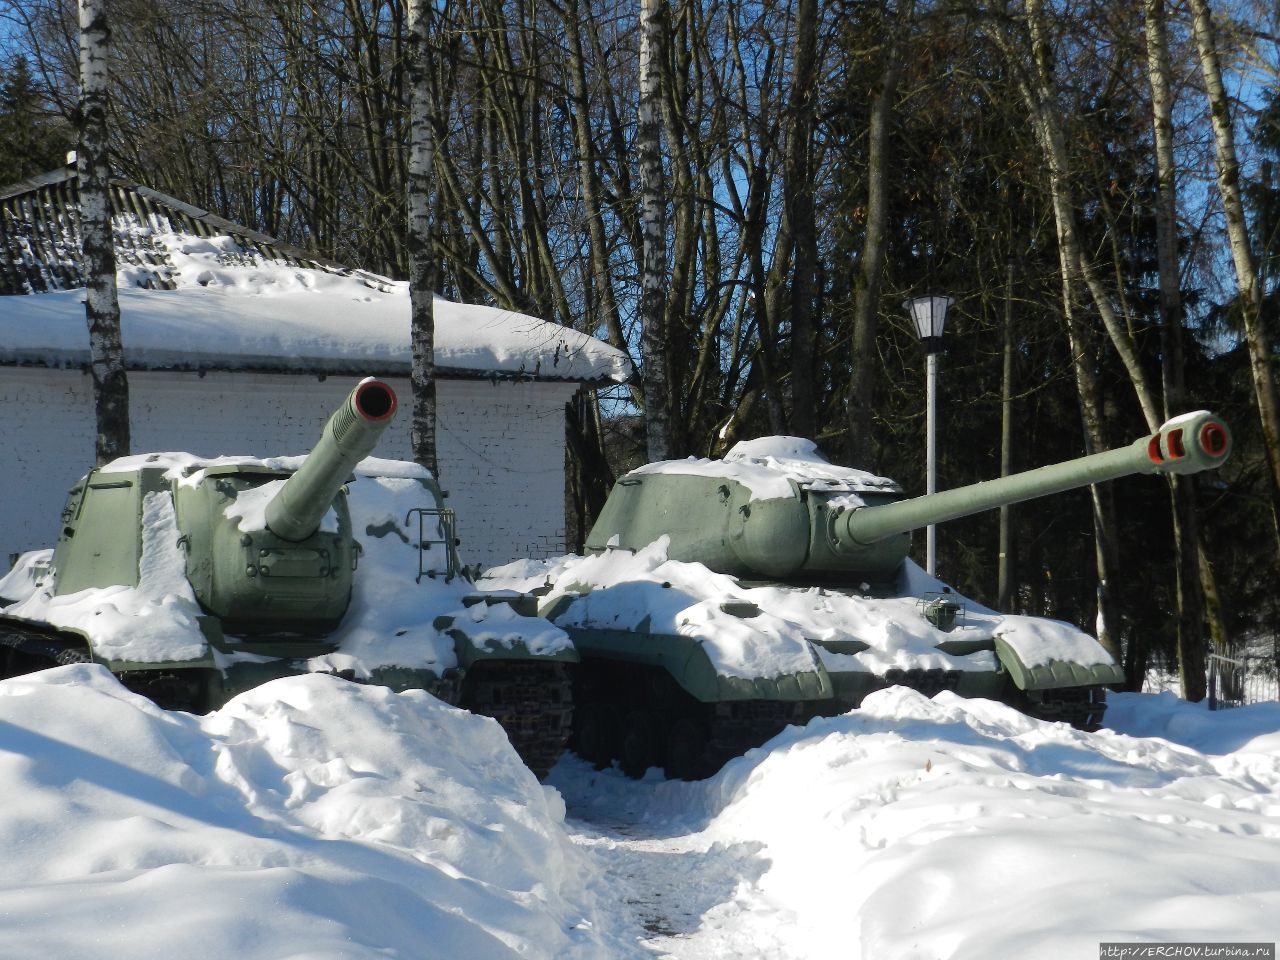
(231, 310)
(310, 818)
(1255, 729)
(974, 831)
(962, 829)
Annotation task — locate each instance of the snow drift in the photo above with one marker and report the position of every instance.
(313, 818)
(963, 829)
(310, 817)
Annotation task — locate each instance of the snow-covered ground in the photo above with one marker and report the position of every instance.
(313, 818)
(310, 818)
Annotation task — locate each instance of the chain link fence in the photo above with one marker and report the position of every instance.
(1245, 678)
(1235, 679)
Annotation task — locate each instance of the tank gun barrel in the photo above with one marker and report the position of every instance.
(349, 436)
(1186, 444)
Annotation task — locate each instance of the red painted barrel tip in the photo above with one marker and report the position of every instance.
(375, 401)
(1214, 439)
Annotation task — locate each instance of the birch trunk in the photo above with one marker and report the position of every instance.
(1042, 100)
(1106, 551)
(1037, 91)
(1250, 290)
(420, 240)
(653, 267)
(102, 307)
(799, 176)
(1193, 572)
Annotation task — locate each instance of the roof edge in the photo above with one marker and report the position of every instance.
(328, 368)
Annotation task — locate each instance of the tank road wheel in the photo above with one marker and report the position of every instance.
(595, 734)
(1082, 707)
(1093, 707)
(641, 743)
(17, 663)
(686, 750)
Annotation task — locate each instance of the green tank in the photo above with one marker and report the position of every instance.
(723, 599)
(194, 580)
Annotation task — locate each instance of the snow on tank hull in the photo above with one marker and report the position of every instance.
(683, 668)
(723, 600)
(194, 580)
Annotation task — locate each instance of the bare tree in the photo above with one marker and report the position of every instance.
(421, 250)
(1036, 82)
(1248, 285)
(1195, 590)
(871, 260)
(801, 217)
(102, 306)
(653, 270)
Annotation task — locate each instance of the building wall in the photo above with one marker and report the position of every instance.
(500, 444)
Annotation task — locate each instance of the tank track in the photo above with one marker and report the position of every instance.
(27, 647)
(1082, 707)
(531, 700)
(639, 718)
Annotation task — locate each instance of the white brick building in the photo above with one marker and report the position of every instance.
(238, 347)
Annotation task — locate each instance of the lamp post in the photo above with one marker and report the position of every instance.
(930, 315)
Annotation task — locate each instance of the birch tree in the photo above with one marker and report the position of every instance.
(799, 172)
(102, 306)
(1249, 288)
(421, 251)
(1038, 91)
(1195, 590)
(653, 268)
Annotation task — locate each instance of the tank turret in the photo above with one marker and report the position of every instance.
(763, 514)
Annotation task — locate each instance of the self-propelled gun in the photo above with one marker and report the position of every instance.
(194, 579)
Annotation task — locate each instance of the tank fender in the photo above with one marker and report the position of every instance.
(472, 642)
(685, 660)
(1055, 673)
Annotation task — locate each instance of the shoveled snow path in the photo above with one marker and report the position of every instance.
(666, 879)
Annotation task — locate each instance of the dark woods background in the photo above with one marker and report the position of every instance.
(822, 162)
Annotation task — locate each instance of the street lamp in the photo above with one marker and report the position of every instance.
(930, 315)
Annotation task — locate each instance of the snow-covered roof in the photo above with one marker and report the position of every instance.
(197, 292)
